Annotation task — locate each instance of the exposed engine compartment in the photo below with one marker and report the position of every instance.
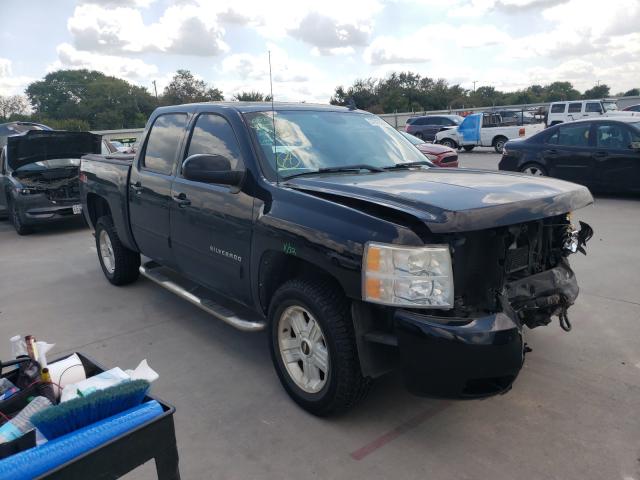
(523, 265)
(59, 185)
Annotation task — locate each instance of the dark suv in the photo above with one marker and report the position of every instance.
(427, 126)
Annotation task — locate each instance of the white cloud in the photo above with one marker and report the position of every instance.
(11, 84)
(127, 68)
(431, 42)
(181, 30)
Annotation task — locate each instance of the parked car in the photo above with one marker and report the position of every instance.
(331, 232)
(602, 153)
(484, 130)
(425, 127)
(39, 176)
(632, 108)
(560, 112)
(439, 155)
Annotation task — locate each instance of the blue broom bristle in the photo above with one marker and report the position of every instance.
(67, 417)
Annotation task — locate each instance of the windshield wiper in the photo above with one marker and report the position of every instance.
(344, 168)
(409, 165)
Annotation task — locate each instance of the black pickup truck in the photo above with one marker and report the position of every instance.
(329, 229)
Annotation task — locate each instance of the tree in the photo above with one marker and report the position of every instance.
(560, 91)
(103, 102)
(11, 106)
(634, 92)
(185, 88)
(251, 97)
(598, 91)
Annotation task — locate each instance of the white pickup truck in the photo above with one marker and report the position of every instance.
(474, 132)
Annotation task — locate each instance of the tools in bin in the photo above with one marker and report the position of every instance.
(58, 401)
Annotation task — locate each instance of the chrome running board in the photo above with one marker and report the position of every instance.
(200, 296)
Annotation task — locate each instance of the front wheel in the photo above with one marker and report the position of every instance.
(16, 220)
(499, 143)
(534, 169)
(119, 264)
(447, 142)
(313, 347)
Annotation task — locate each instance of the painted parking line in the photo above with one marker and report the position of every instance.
(404, 427)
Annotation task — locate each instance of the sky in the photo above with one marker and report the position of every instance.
(318, 45)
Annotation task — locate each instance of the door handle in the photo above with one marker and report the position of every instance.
(600, 154)
(551, 152)
(182, 200)
(136, 187)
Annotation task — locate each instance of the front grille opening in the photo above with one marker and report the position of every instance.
(482, 387)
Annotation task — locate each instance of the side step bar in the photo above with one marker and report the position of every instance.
(200, 297)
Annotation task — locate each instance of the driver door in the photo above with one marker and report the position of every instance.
(211, 224)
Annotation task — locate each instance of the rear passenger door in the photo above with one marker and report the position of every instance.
(210, 223)
(616, 163)
(575, 111)
(592, 109)
(568, 153)
(150, 186)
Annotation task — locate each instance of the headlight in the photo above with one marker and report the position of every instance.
(431, 157)
(28, 191)
(419, 277)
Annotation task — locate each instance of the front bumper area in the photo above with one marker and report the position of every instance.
(38, 209)
(458, 357)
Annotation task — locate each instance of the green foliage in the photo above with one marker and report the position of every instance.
(251, 97)
(101, 101)
(634, 92)
(185, 88)
(597, 92)
(73, 124)
(11, 106)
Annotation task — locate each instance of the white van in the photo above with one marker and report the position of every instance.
(560, 112)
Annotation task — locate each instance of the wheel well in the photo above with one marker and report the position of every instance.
(276, 268)
(455, 144)
(97, 207)
(495, 139)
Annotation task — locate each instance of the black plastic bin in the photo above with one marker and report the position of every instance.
(155, 439)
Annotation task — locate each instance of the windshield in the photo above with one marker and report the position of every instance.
(307, 141)
(412, 138)
(50, 164)
(609, 106)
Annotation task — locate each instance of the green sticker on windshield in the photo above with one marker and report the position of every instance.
(289, 249)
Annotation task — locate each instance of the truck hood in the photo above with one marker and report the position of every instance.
(452, 200)
(39, 145)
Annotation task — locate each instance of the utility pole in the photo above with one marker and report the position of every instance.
(155, 89)
(474, 86)
(597, 83)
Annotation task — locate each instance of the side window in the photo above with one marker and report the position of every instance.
(420, 121)
(612, 136)
(213, 134)
(163, 143)
(437, 121)
(574, 135)
(593, 107)
(558, 108)
(553, 138)
(575, 107)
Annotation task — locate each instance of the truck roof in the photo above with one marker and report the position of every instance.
(245, 107)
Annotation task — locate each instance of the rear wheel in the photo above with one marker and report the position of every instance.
(534, 169)
(16, 219)
(313, 347)
(498, 143)
(468, 148)
(119, 264)
(447, 142)
(420, 136)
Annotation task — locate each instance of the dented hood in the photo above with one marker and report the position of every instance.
(454, 200)
(39, 145)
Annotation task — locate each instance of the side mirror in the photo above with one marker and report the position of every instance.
(208, 168)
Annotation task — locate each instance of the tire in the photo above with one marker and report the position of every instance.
(447, 142)
(499, 142)
(420, 136)
(468, 148)
(119, 264)
(321, 313)
(534, 169)
(16, 219)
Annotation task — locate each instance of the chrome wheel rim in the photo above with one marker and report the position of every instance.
(533, 171)
(106, 252)
(303, 349)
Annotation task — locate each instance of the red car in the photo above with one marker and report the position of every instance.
(440, 155)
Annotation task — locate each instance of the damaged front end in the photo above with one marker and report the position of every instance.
(505, 278)
(48, 195)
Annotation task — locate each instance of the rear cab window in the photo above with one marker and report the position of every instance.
(164, 142)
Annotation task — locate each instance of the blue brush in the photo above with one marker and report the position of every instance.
(67, 417)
